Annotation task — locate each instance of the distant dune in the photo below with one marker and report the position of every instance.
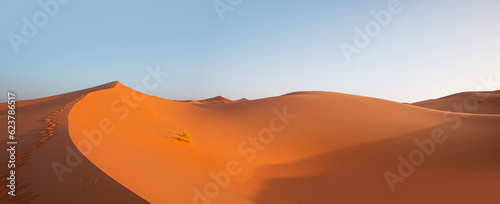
(486, 102)
(303, 147)
(217, 99)
(243, 99)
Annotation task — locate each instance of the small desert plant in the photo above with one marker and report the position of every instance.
(185, 137)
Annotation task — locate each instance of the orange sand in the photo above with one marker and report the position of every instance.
(303, 147)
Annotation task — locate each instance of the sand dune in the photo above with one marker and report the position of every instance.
(42, 136)
(486, 102)
(243, 99)
(303, 147)
(217, 99)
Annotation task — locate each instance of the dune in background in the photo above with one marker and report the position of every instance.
(217, 99)
(302, 147)
(486, 102)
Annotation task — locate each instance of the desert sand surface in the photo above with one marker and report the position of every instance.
(42, 140)
(302, 147)
(217, 99)
(489, 102)
(243, 99)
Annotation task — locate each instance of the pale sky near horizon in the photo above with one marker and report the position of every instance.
(428, 49)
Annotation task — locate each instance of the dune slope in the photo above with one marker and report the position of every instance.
(484, 102)
(304, 147)
(43, 146)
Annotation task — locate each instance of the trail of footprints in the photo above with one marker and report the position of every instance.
(51, 123)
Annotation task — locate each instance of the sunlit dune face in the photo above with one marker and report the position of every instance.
(226, 152)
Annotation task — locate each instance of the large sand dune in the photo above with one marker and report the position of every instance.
(303, 147)
(43, 141)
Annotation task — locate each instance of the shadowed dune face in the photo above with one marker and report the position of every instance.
(303, 146)
(463, 169)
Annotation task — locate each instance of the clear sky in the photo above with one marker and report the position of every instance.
(427, 49)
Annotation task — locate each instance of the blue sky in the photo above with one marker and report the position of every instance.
(260, 49)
